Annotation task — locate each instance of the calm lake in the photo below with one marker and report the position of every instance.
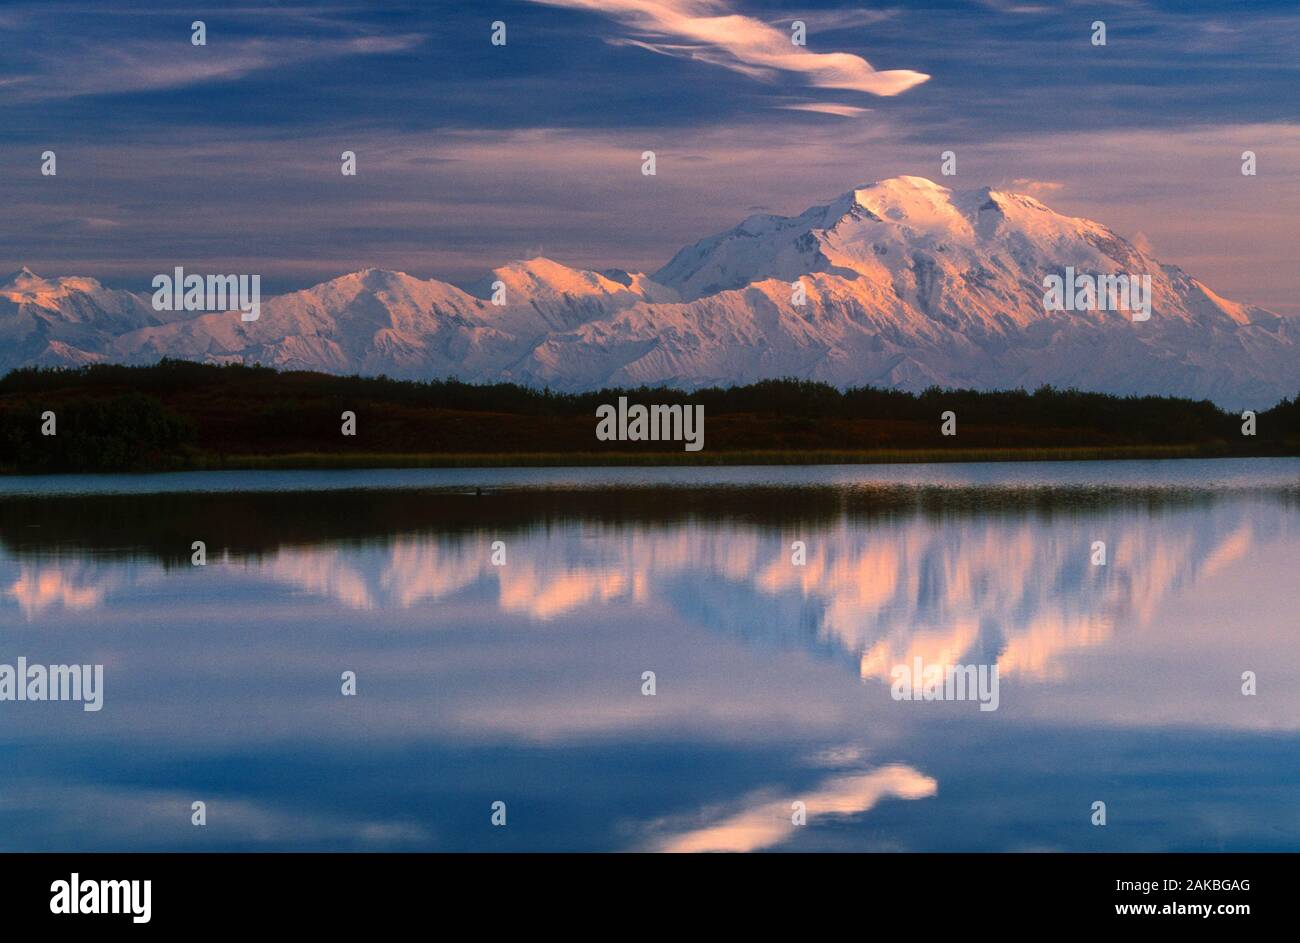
(500, 624)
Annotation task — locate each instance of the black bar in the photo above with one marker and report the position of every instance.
(915, 893)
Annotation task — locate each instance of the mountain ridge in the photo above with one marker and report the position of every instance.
(908, 284)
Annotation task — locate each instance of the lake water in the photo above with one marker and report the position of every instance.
(523, 683)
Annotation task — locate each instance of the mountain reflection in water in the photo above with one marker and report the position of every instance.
(523, 682)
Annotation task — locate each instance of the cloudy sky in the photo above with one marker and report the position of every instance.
(226, 157)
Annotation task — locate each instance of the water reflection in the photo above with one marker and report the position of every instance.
(524, 679)
(763, 820)
(1021, 589)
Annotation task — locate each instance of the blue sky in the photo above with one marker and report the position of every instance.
(469, 155)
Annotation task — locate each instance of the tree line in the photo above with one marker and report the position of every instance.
(173, 413)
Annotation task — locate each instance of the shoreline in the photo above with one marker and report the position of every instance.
(750, 457)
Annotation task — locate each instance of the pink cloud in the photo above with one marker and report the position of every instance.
(707, 31)
(828, 108)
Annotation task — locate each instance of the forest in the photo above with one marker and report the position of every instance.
(183, 415)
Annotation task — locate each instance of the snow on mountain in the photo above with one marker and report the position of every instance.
(371, 321)
(907, 284)
(65, 321)
(541, 295)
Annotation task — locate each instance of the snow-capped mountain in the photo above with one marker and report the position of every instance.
(907, 283)
(65, 321)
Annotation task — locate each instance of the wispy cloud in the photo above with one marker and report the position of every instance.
(1005, 6)
(153, 65)
(828, 108)
(708, 31)
(825, 21)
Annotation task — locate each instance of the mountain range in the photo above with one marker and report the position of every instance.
(906, 283)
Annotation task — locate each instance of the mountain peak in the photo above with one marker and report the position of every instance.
(24, 274)
(540, 274)
(367, 279)
(910, 199)
(382, 275)
(539, 265)
(904, 182)
(25, 285)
